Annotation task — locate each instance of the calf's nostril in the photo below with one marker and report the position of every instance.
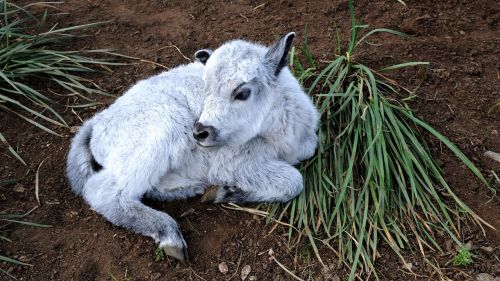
(201, 135)
(202, 132)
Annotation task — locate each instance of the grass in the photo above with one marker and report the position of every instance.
(463, 257)
(7, 220)
(114, 278)
(159, 254)
(373, 179)
(494, 108)
(30, 56)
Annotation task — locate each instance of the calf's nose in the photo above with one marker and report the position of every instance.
(201, 132)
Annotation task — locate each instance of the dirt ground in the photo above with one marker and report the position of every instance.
(459, 38)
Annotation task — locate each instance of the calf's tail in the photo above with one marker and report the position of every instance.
(81, 164)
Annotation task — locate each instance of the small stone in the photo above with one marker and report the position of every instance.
(486, 277)
(487, 249)
(461, 32)
(74, 129)
(223, 267)
(493, 155)
(245, 271)
(408, 266)
(270, 252)
(190, 211)
(252, 278)
(19, 188)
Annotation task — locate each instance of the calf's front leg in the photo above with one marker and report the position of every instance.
(272, 181)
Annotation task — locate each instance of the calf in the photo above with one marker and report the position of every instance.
(236, 118)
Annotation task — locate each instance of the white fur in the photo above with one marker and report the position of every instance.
(145, 145)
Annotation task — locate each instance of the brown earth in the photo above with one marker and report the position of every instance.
(459, 38)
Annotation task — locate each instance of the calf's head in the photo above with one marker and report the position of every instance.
(240, 89)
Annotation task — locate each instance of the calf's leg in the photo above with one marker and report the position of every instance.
(119, 202)
(272, 181)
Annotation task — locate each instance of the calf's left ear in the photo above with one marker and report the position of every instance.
(203, 55)
(277, 56)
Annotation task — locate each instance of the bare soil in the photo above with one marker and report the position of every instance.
(459, 38)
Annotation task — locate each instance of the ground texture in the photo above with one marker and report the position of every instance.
(459, 38)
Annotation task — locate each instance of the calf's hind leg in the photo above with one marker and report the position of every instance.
(109, 197)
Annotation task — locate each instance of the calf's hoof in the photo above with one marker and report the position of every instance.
(226, 193)
(178, 253)
(210, 194)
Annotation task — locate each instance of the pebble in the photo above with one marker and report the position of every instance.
(486, 277)
(487, 249)
(74, 129)
(469, 246)
(19, 188)
(223, 267)
(252, 278)
(493, 155)
(408, 266)
(245, 271)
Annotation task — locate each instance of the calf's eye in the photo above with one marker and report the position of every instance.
(243, 94)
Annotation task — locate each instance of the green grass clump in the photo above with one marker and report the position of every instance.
(463, 257)
(159, 254)
(373, 178)
(30, 53)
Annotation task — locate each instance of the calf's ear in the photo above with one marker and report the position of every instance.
(203, 55)
(277, 56)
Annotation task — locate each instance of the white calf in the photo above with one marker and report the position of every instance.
(236, 118)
